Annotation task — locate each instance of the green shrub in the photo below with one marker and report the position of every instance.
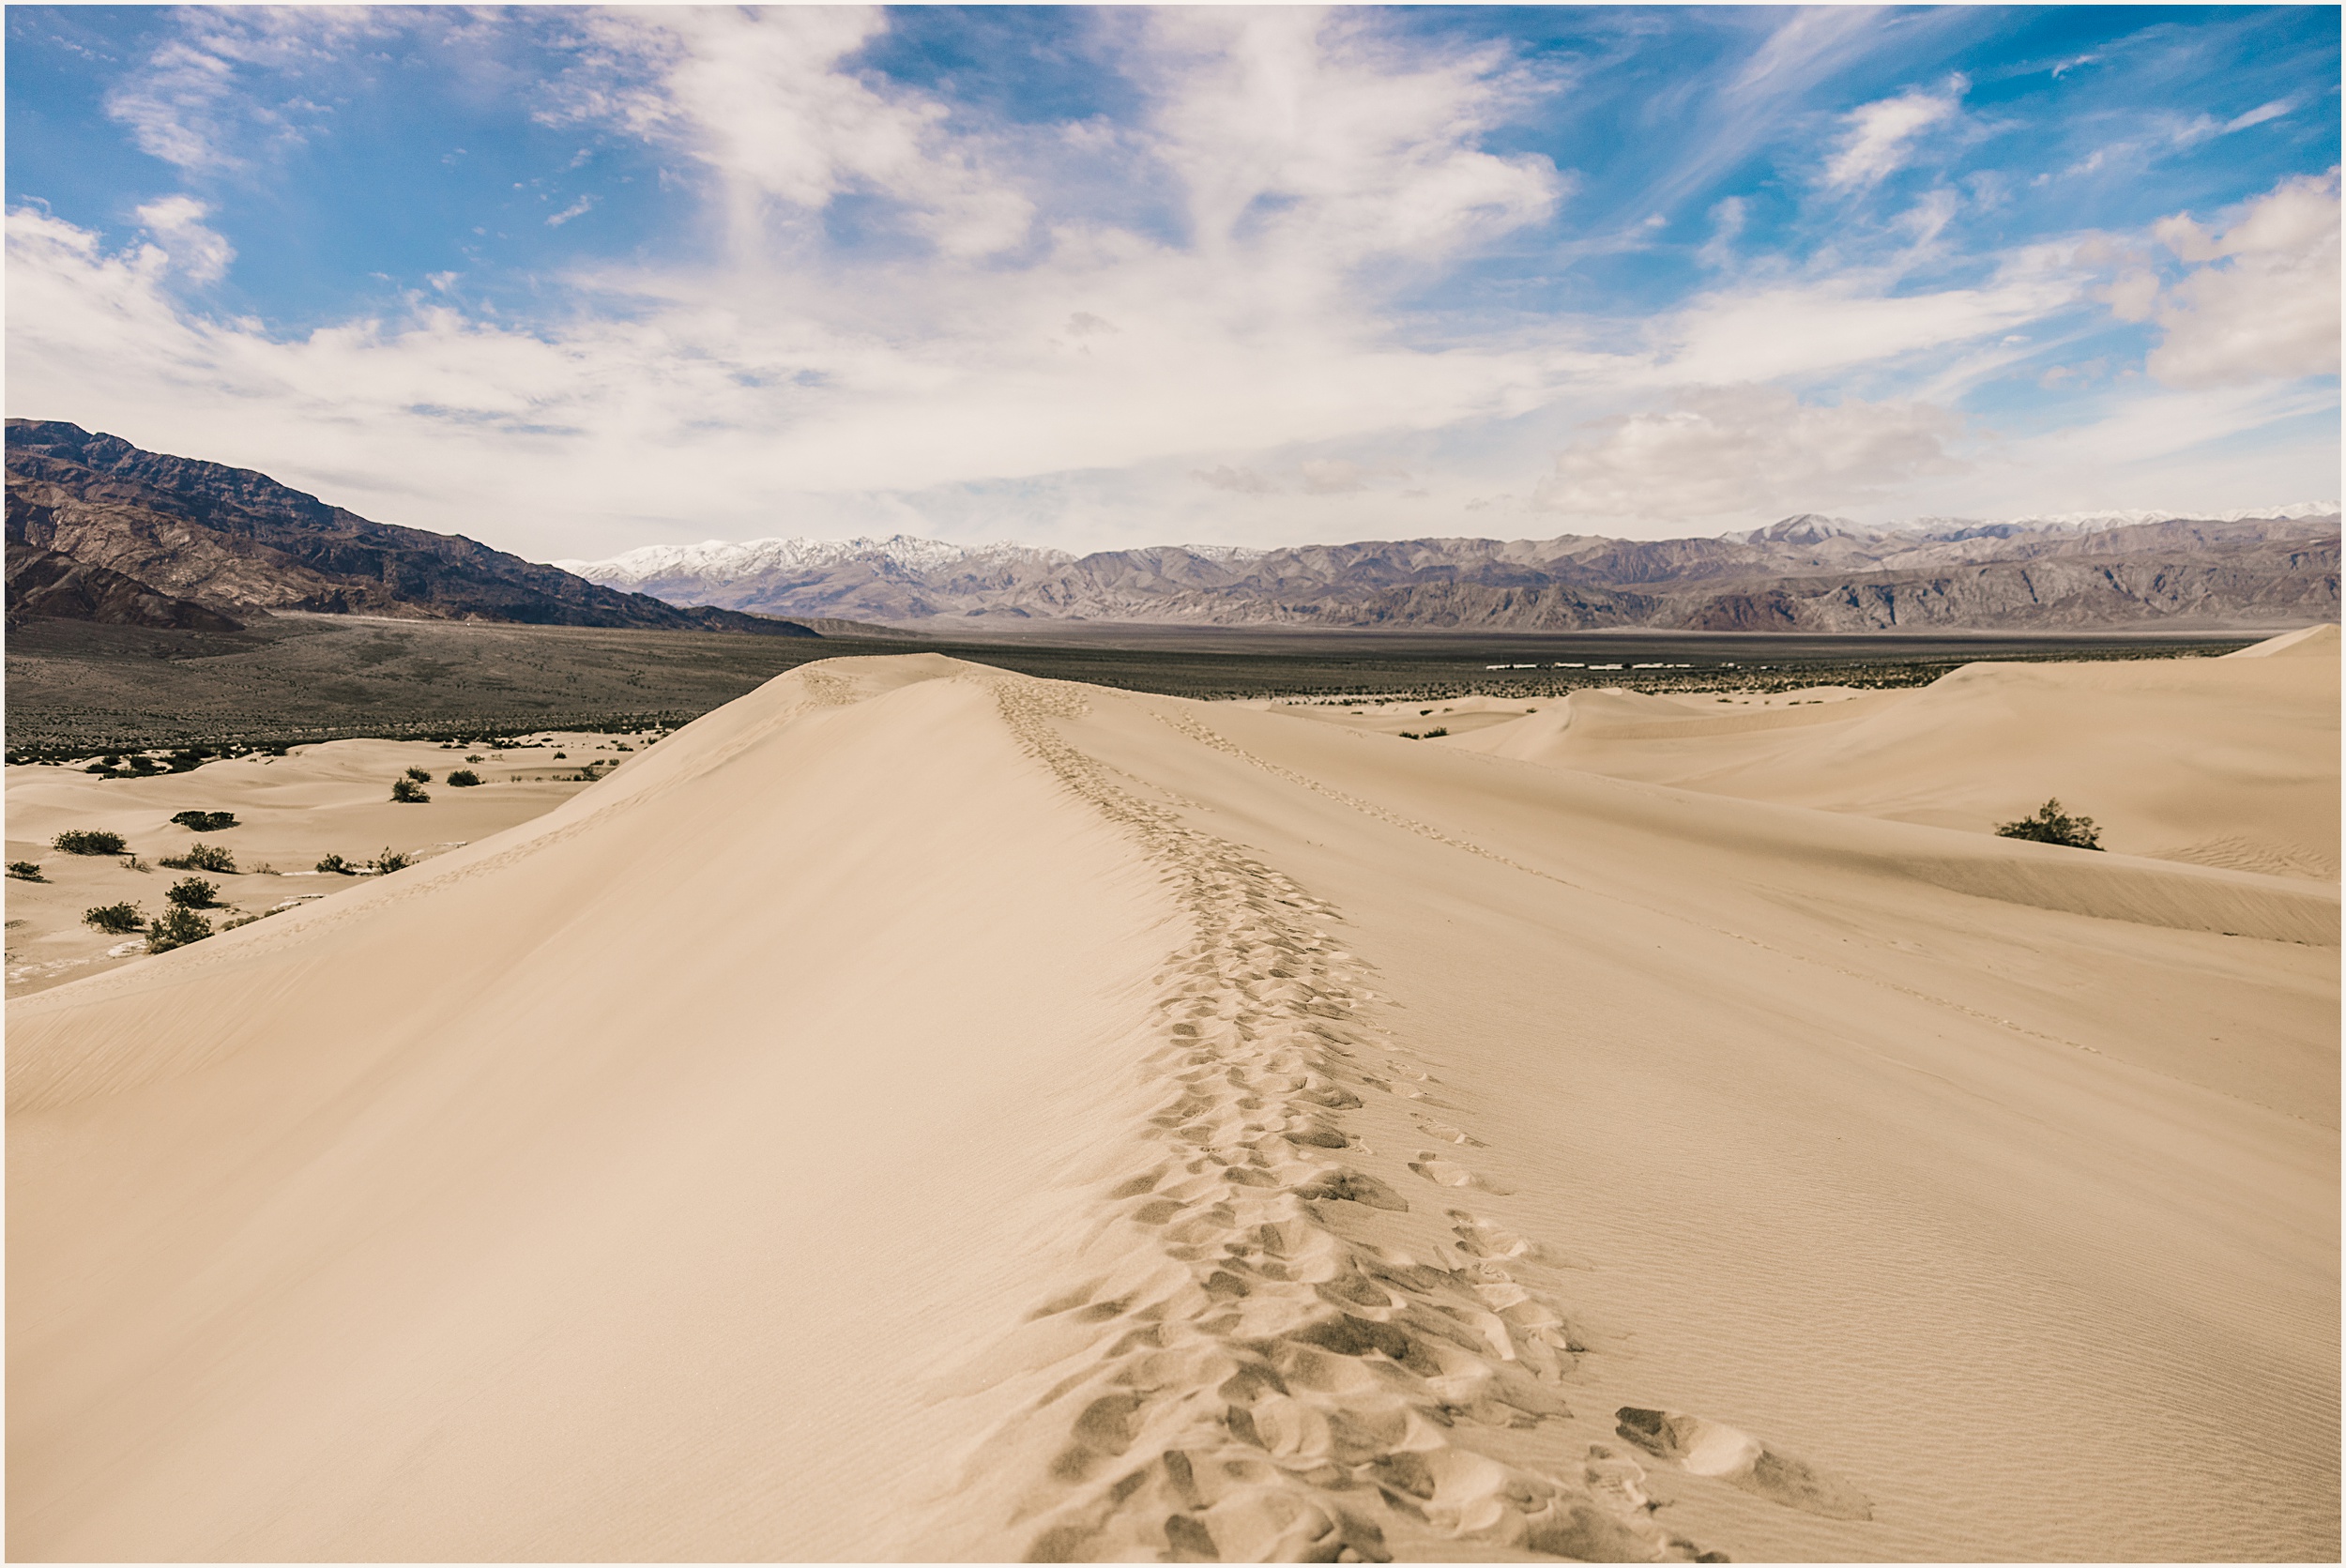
(206, 822)
(418, 775)
(2051, 825)
(116, 919)
(463, 778)
(193, 893)
(336, 866)
(201, 856)
(408, 793)
(77, 840)
(392, 860)
(176, 928)
(26, 871)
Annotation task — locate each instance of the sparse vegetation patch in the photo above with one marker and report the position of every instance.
(406, 792)
(202, 857)
(115, 920)
(26, 871)
(176, 928)
(205, 822)
(193, 893)
(463, 778)
(392, 860)
(334, 866)
(2052, 825)
(82, 840)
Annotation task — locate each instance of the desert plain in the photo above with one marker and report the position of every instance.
(924, 1111)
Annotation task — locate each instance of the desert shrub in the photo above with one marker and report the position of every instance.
(473, 758)
(205, 822)
(116, 919)
(463, 778)
(561, 756)
(193, 893)
(2052, 825)
(408, 793)
(131, 862)
(334, 866)
(392, 860)
(201, 856)
(418, 775)
(26, 871)
(1426, 734)
(78, 841)
(176, 928)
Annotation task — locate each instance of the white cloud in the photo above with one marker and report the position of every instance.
(2261, 113)
(186, 104)
(1766, 333)
(761, 99)
(1746, 451)
(2265, 305)
(1879, 134)
(578, 208)
(195, 249)
(1320, 136)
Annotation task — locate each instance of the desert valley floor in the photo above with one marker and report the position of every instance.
(918, 1110)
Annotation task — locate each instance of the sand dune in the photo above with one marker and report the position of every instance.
(291, 811)
(2226, 762)
(922, 1111)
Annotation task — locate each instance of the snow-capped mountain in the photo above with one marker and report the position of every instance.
(719, 560)
(1807, 571)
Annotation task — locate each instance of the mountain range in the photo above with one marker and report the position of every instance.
(1806, 574)
(99, 529)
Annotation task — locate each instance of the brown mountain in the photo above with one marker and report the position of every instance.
(233, 543)
(44, 585)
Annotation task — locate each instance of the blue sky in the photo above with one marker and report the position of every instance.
(574, 281)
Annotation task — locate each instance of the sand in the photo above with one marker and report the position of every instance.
(291, 811)
(2230, 761)
(918, 1110)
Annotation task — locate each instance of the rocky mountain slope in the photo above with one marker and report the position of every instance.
(46, 586)
(1804, 574)
(231, 542)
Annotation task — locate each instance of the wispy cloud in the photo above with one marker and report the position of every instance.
(200, 252)
(1881, 135)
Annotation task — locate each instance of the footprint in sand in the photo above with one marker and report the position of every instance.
(1442, 1173)
(1442, 1130)
(1701, 1446)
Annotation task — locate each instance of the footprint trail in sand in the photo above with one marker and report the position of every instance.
(1283, 1379)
